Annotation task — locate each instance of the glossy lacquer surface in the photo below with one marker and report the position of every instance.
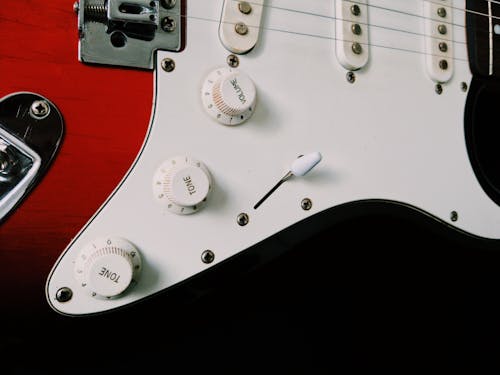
(106, 113)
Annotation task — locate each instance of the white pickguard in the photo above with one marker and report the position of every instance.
(387, 136)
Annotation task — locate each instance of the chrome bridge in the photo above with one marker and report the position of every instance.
(127, 32)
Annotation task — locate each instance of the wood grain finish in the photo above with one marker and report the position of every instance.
(106, 112)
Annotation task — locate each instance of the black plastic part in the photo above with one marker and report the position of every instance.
(478, 37)
(44, 135)
(482, 133)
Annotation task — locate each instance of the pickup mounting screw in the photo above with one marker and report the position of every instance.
(207, 256)
(244, 7)
(39, 109)
(241, 28)
(242, 219)
(439, 89)
(306, 204)
(454, 216)
(233, 61)
(463, 86)
(168, 65)
(168, 24)
(351, 77)
(64, 294)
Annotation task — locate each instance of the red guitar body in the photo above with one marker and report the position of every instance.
(106, 113)
(371, 294)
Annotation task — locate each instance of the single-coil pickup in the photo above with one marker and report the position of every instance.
(438, 31)
(240, 25)
(351, 40)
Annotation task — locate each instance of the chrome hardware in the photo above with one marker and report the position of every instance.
(64, 294)
(242, 219)
(207, 256)
(39, 109)
(127, 32)
(168, 65)
(306, 204)
(233, 61)
(31, 130)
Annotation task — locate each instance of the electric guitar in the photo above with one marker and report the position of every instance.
(265, 116)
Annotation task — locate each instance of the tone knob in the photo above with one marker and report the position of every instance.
(107, 266)
(229, 96)
(182, 184)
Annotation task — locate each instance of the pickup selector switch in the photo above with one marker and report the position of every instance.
(229, 96)
(107, 266)
(182, 184)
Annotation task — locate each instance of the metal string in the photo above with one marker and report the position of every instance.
(441, 38)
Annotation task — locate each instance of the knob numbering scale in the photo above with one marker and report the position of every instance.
(182, 184)
(229, 96)
(106, 267)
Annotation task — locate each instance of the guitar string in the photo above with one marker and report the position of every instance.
(481, 30)
(392, 10)
(337, 39)
(442, 38)
(401, 49)
(441, 21)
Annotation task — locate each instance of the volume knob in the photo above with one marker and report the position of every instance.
(182, 184)
(229, 96)
(107, 266)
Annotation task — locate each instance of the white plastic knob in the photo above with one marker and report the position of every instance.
(182, 184)
(107, 266)
(304, 164)
(229, 96)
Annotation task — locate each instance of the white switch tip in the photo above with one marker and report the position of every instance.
(304, 164)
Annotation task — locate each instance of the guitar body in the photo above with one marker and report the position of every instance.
(106, 113)
(392, 131)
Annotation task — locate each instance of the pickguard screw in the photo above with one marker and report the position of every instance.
(168, 65)
(168, 24)
(306, 204)
(463, 87)
(351, 77)
(76, 7)
(441, 12)
(242, 219)
(64, 294)
(207, 256)
(244, 7)
(439, 89)
(442, 29)
(233, 61)
(454, 216)
(168, 4)
(39, 109)
(443, 47)
(241, 28)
